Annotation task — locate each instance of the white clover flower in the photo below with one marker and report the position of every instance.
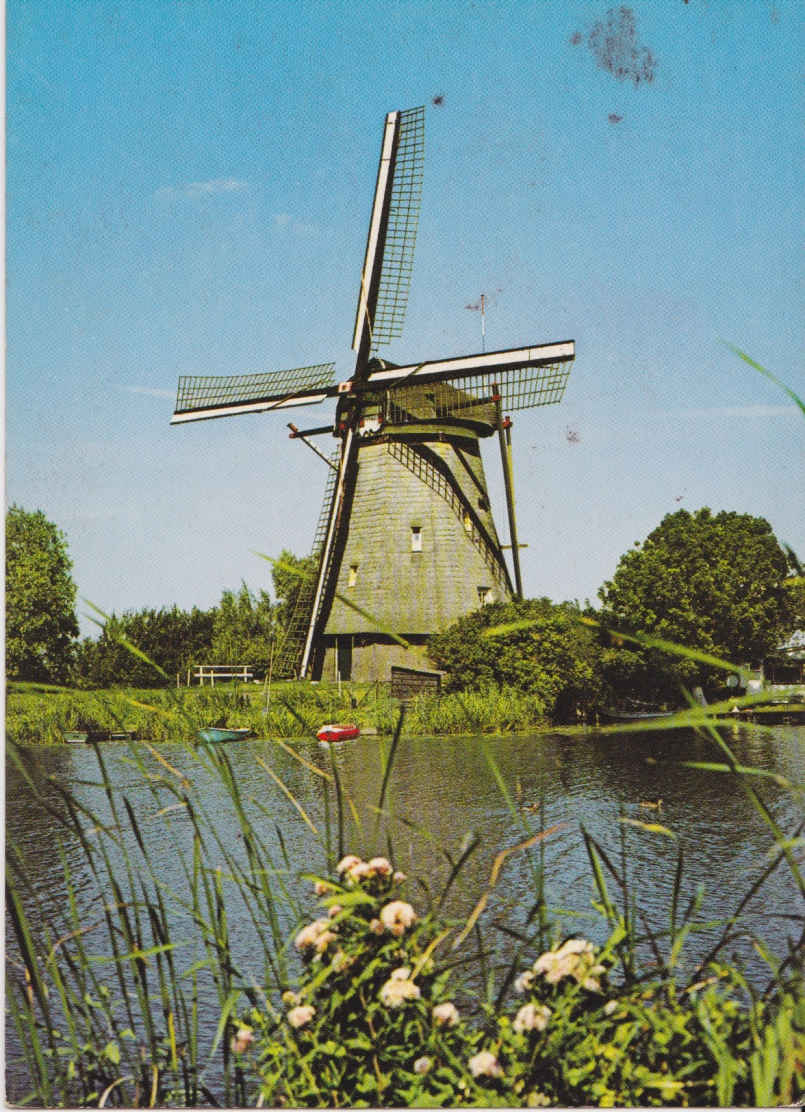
(397, 916)
(242, 1040)
(399, 877)
(306, 939)
(376, 927)
(380, 866)
(574, 958)
(302, 1014)
(610, 1007)
(576, 946)
(347, 862)
(524, 981)
(445, 1015)
(553, 967)
(336, 909)
(324, 940)
(591, 982)
(423, 1064)
(531, 1017)
(403, 973)
(358, 872)
(485, 1064)
(395, 993)
(321, 888)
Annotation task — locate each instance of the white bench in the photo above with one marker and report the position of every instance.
(213, 672)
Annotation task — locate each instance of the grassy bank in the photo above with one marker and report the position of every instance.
(42, 716)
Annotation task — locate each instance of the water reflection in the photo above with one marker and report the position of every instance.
(440, 791)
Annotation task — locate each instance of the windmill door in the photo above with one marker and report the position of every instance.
(344, 663)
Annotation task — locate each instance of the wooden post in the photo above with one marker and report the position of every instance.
(505, 441)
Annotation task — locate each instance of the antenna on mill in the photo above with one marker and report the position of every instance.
(480, 305)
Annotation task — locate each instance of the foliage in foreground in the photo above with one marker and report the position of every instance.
(373, 1022)
(395, 1004)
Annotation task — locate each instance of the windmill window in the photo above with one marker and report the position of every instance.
(416, 538)
(353, 575)
(485, 595)
(467, 522)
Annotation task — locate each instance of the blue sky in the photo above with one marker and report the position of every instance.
(188, 192)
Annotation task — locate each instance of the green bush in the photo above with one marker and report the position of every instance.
(530, 645)
(373, 1022)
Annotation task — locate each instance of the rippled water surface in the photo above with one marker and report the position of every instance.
(440, 792)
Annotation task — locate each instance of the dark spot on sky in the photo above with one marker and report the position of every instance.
(438, 99)
(614, 118)
(572, 436)
(616, 49)
(576, 38)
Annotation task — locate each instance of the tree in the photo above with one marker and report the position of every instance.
(551, 655)
(172, 638)
(712, 582)
(243, 627)
(289, 574)
(40, 598)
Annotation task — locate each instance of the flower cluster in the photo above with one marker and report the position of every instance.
(399, 988)
(575, 958)
(531, 1017)
(316, 937)
(353, 871)
(485, 1064)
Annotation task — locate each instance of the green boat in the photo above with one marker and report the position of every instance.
(216, 735)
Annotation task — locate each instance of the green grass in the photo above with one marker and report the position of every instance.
(42, 717)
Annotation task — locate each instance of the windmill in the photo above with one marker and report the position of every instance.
(405, 541)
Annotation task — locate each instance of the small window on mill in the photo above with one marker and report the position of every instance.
(416, 538)
(467, 520)
(484, 595)
(353, 575)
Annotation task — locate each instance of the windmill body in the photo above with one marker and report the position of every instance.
(419, 546)
(406, 542)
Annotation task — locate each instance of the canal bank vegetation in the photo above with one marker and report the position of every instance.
(47, 715)
(377, 995)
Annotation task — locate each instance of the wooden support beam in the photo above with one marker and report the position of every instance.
(295, 434)
(505, 441)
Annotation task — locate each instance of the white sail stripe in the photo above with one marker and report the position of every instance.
(495, 360)
(245, 407)
(374, 227)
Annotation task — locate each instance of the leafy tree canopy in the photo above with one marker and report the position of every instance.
(288, 574)
(712, 582)
(171, 638)
(548, 653)
(243, 627)
(40, 598)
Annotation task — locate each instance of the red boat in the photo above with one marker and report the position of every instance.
(343, 731)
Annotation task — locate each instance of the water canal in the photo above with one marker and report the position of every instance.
(441, 792)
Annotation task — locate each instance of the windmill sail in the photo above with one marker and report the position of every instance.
(406, 540)
(200, 398)
(522, 377)
(382, 301)
(386, 275)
